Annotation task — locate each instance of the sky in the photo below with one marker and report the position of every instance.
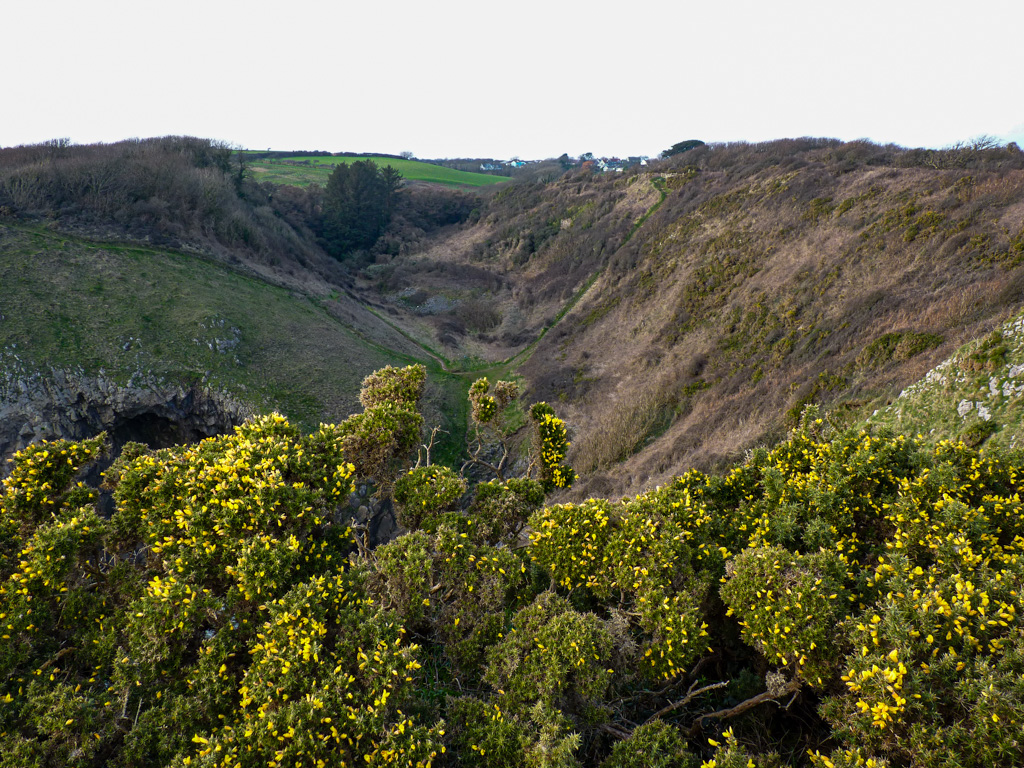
(531, 78)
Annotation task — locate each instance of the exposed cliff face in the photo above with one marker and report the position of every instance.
(72, 405)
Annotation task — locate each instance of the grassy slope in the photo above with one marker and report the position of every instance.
(68, 302)
(291, 171)
(761, 298)
(974, 395)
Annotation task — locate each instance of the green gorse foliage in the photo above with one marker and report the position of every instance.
(840, 599)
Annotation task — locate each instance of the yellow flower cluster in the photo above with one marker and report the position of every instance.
(38, 484)
(569, 540)
(847, 758)
(616, 549)
(552, 443)
(886, 682)
(787, 606)
(241, 506)
(309, 668)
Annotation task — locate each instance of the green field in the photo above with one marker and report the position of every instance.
(304, 170)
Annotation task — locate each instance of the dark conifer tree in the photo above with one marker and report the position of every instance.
(357, 205)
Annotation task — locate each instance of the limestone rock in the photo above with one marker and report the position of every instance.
(73, 405)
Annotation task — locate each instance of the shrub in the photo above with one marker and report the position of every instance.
(224, 633)
(788, 606)
(220, 616)
(553, 655)
(399, 386)
(980, 431)
(501, 509)
(897, 346)
(372, 439)
(482, 730)
(423, 492)
(450, 588)
(550, 445)
(486, 403)
(654, 745)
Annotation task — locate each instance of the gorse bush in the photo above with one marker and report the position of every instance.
(424, 491)
(209, 622)
(551, 444)
(787, 605)
(847, 599)
(501, 509)
(399, 386)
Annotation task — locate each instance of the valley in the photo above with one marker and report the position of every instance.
(711, 461)
(677, 315)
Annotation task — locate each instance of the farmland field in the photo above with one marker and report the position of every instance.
(302, 171)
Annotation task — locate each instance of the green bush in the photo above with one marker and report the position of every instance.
(897, 346)
(423, 492)
(399, 386)
(501, 509)
(788, 606)
(553, 655)
(654, 745)
(378, 435)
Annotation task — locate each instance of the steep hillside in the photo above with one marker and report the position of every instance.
(973, 396)
(722, 291)
(148, 275)
(676, 314)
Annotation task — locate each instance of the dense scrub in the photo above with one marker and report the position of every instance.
(186, 192)
(175, 191)
(837, 600)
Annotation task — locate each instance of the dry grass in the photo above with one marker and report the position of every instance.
(617, 431)
(780, 303)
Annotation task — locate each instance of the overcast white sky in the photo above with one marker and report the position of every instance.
(534, 78)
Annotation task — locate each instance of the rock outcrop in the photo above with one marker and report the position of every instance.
(73, 405)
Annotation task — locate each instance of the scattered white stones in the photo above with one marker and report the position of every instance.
(964, 407)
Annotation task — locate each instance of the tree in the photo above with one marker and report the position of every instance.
(682, 146)
(392, 181)
(358, 201)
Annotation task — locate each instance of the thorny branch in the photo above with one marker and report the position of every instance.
(477, 448)
(361, 533)
(427, 448)
(793, 686)
(772, 694)
(691, 694)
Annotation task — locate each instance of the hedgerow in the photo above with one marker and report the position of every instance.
(839, 599)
